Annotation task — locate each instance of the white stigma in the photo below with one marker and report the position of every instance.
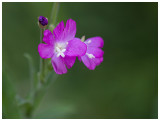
(89, 41)
(90, 55)
(60, 49)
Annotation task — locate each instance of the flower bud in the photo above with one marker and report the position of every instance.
(42, 21)
(83, 38)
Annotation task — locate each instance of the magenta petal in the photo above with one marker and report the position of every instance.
(91, 63)
(69, 61)
(59, 65)
(70, 30)
(95, 42)
(97, 52)
(58, 32)
(67, 33)
(98, 61)
(48, 37)
(76, 48)
(45, 51)
(88, 62)
(79, 58)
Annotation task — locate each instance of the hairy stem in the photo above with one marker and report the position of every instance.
(44, 79)
(42, 61)
(54, 13)
(42, 91)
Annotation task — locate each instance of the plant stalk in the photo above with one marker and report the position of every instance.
(42, 61)
(43, 78)
(54, 13)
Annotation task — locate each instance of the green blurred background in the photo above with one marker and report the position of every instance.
(125, 85)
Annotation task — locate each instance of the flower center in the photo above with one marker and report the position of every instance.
(90, 55)
(89, 41)
(60, 48)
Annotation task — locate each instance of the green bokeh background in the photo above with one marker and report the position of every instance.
(125, 85)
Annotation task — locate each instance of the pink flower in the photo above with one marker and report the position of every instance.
(94, 55)
(62, 46)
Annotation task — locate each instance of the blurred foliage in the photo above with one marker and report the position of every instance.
(125, 85)
(10, 108)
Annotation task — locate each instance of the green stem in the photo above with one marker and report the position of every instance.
(42, 61)
(43, 78)
(54, 13)
(42, 91)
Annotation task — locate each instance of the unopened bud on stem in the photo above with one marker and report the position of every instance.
(83, 38)
(43, 22)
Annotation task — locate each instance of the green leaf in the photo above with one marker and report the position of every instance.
(31, 66)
